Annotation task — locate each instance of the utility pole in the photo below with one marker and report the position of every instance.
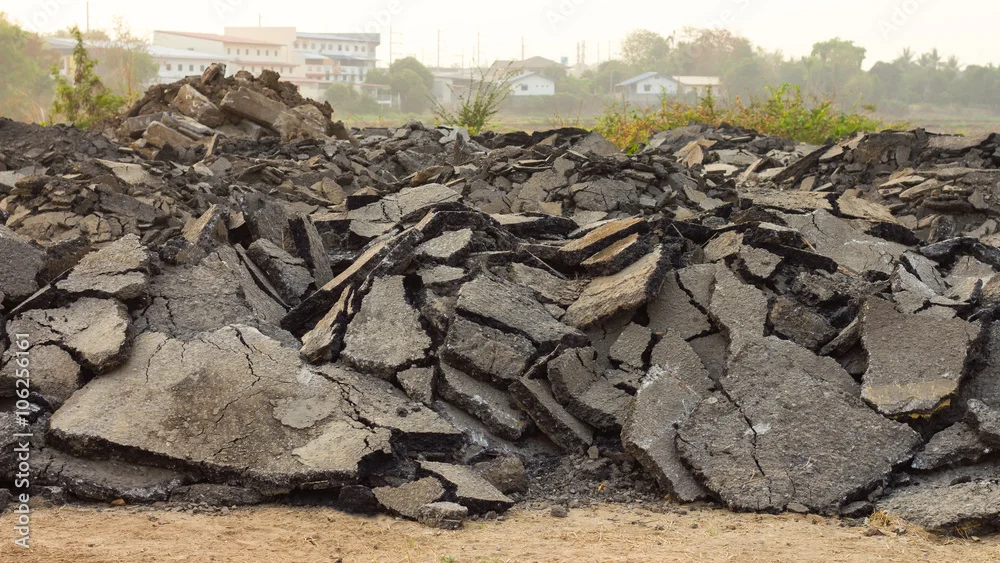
(583, 52)
(258, 20)
(479, 52)
(598, 53)
(439, 49)
(390, 45)
(522, 47)
(88, 17)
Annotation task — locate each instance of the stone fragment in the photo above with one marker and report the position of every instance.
(625, 291)
(486, 352)
(118, 270)
(288, 273)
(510, 308)
(535, 397)
(469, 488)
(254, 106)
(301, 122)
(672, 309)
(547, 287)
(758, 262)
(106, 480)
(577, 250)
(948, 504)
(698, 281)
(915, 363)
(160, 136)
(768, 442)
(616, 257)
(190, 299)
(848, 246)
(800, 324)
(450, 248)
(585, 394)
(985, 419)
(739, 308)
(98, 332)
(955, 445)
(444, 515)
(195, 105)
(789, 201)
(216, 495)
(53, 374)
(386, 335)
(234, 403)
(630, 348)
(310, 247)
(604, 194)
(406, 500)
(20, 263)
(673, 387)
(487, 403)
(418, 384)
(505, 472)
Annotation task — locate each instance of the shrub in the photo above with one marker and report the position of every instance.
(86, 100)
(479, 105)
(784, 111)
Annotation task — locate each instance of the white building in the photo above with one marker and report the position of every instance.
(239, 53)
(532, 84)
(172, 64)
(648, 87)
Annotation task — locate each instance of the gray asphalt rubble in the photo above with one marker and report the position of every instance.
(231, 299)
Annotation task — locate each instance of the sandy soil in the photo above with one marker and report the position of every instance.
(606, 533)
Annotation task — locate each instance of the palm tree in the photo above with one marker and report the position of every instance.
(905, 57)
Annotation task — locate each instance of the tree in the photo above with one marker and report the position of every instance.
(86, 100)
(126, 63)
(833, 64)
(644, 48)
(408, 78)
(25, 86)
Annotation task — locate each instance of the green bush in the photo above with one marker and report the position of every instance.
(85, 101)
(784, 111)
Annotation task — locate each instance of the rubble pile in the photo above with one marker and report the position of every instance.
(416, 320)
(198, 110)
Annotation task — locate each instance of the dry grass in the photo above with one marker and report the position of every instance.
(606, 533)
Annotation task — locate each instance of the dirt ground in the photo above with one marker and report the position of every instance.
(606, 533)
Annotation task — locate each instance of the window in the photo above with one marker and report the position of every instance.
(296, 44)
(362, 48)
(229, 51)
(314, 46)
(340, 47)
(355, 48)
(524, 87)
(267, 53)
(203, 68)
(190, 68)
(258, 52)
(647, 88)
(169, 66)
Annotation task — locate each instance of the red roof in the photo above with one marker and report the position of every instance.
(222, 38)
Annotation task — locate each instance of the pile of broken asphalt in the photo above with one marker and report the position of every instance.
(421, 321)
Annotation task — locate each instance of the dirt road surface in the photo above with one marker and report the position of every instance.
(606, 533)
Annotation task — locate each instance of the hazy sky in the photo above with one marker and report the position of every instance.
(552, 28)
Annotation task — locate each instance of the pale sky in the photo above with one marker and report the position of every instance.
(553, 28)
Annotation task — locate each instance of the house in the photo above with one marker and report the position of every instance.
(239, 53)
(699, 84)
(648, 87)
(532, 84)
